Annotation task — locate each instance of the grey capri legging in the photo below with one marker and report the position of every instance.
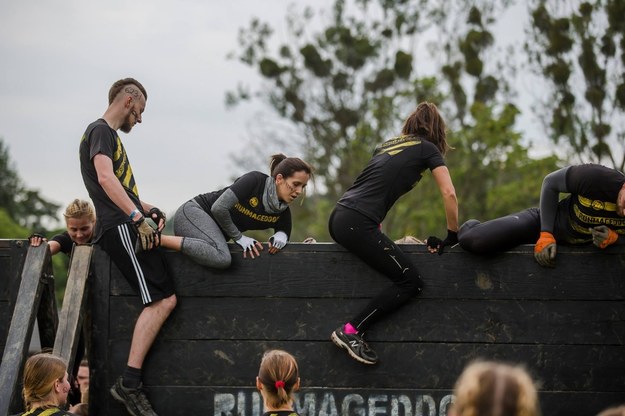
(202, 240)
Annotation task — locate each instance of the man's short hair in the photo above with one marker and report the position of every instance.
(118, 85)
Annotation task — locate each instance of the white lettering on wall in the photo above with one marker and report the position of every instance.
(353, 404)
(335, 403)
(328, 406)
(399, 403)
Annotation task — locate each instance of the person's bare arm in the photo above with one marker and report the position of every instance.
(109, 182)
(35, 241)
(448, 193)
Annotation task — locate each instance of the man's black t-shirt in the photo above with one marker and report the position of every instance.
(394, 169)
(100, 138)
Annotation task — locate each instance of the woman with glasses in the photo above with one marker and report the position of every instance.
(255, 201)
(45, 385)
(394, 169)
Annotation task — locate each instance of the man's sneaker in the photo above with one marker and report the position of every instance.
(134, 399)
(355, 346)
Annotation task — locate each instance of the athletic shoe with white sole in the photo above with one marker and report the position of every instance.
(355, 346)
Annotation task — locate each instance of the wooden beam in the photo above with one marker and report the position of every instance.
(70, 321)
(20, 331)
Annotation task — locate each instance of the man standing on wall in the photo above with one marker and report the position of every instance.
(122, 232)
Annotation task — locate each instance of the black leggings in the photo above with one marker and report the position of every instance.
(362, 236)
(500, 234)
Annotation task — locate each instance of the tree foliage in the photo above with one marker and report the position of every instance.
(24, 206)
(578, 47)
(347, 86)
(9, 228)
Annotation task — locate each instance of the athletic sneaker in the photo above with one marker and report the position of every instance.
(134, 399)
(355, 346)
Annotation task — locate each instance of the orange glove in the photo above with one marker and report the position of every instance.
(545, 250)
(602, 236)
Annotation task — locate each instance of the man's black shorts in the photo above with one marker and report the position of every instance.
(147, 272)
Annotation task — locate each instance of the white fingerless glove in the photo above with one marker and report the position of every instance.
(279, 240)
(246, 243)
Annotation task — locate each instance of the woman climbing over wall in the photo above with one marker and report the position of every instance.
(394, 169)
(255, 201)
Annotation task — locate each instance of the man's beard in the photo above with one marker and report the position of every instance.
(127, 126)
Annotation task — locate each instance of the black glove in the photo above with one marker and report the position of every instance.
(157, 215)
(36, 239)
(436, 243)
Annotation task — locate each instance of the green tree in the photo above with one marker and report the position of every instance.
(348, 86)
(9, 228)
(491, 168)
(578, 48)
(24, 206)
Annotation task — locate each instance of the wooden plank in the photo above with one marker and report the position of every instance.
(12, 257)
(422, 320)
(402, 365)
(70, 322)
(5, 275)
(100, 380)
(22, 323)
(302, 272)
(5, 312)
(245, 401)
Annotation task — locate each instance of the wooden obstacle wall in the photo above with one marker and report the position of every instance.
(26, 294)
(12, 255)
(566, 325)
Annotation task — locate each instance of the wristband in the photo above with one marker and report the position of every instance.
(133, 213)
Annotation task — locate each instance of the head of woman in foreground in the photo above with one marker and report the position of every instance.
(495, 389)
(45, 382)
(278, 378)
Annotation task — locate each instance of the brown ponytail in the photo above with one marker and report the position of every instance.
(279, 375)
(279, 164)
(426, 122)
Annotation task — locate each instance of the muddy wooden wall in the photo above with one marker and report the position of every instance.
(12, 255)
(566, 325)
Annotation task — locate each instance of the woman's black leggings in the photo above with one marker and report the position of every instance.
(362, 236)
(500, 234)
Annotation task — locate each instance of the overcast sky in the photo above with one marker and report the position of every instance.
(59, 59)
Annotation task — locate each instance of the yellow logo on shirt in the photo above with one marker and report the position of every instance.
(254, 201)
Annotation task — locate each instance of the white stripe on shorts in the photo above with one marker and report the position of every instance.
(128, 244)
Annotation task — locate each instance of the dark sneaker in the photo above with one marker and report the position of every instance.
(134, 399)
(355, 346)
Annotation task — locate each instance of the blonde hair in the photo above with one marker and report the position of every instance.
(488, 388)
(79, 208)
(279, 374)
(40, 373)
(613, 411)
